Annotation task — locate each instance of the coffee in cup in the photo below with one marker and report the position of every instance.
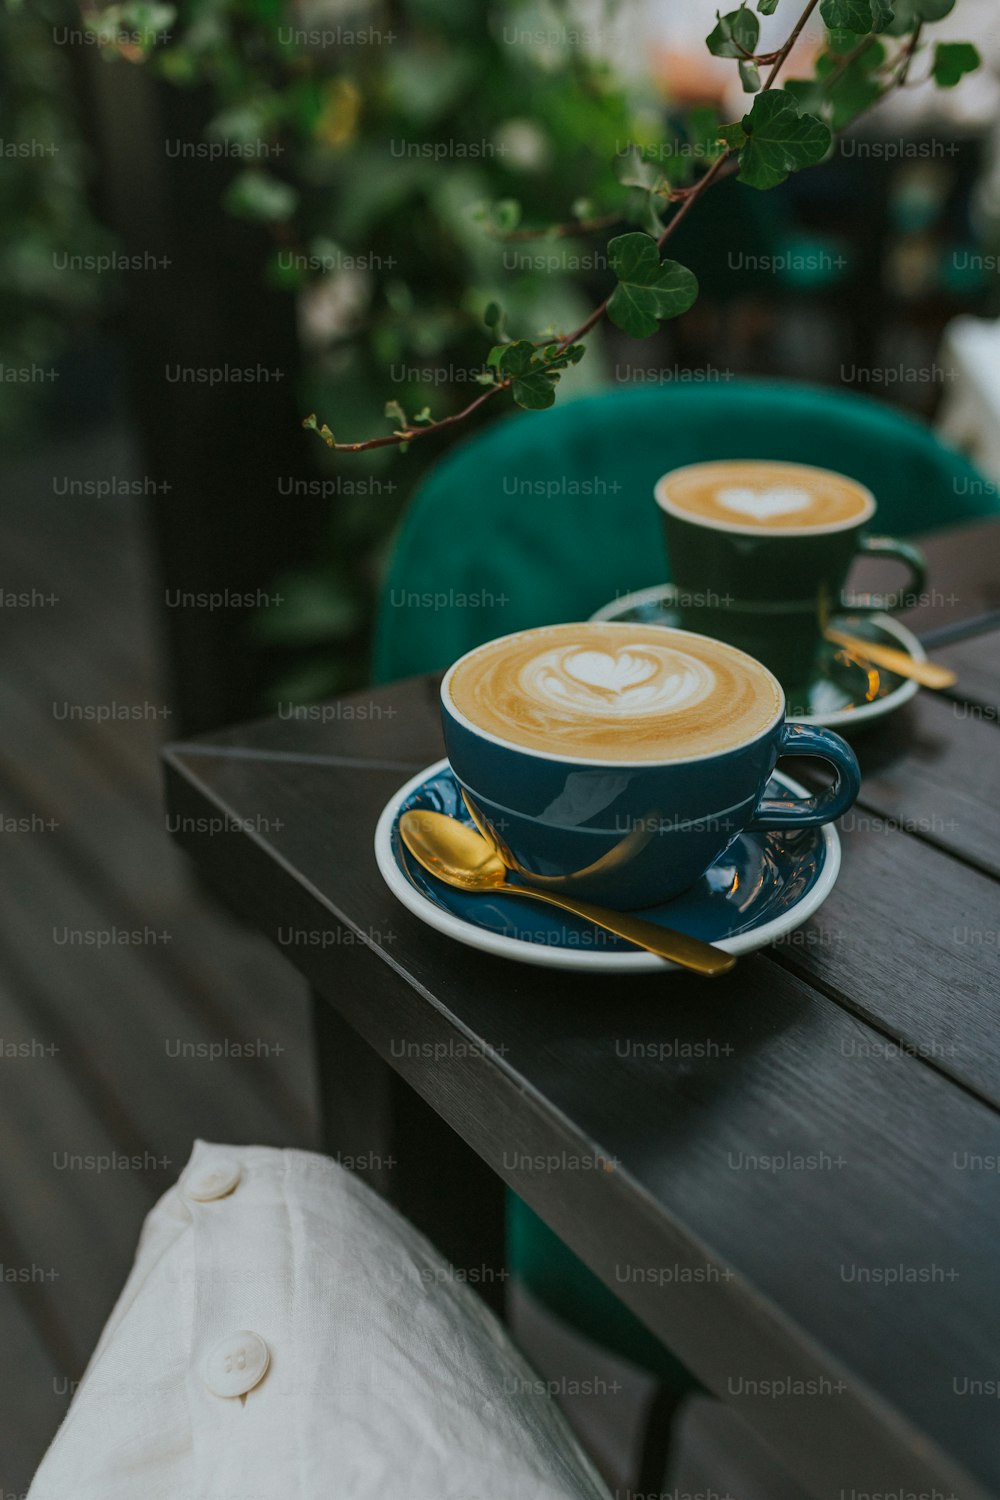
(765, 497)
(639, 696)
(618, 761)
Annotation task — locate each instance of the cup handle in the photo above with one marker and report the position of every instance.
(890, 546)
(810, 812)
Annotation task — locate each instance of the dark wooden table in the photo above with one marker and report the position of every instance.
(792, 1175)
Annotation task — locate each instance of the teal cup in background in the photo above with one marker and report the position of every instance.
(772, 589)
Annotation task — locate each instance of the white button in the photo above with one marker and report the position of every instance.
(217, 1177)
(236, 1364)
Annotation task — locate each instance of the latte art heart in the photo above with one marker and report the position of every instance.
(610, 692)
(761, 505)
(638, 680)
(599, 669)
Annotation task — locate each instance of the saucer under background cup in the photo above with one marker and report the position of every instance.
(843, 694)
(761, 888)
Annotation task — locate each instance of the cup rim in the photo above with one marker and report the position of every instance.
(449, 704)
(741, 528)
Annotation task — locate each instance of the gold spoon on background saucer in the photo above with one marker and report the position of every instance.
(927, 673)
(460, 857)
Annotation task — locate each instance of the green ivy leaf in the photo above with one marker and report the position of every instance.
(492, 316)
(909, 12)
(749, 76)
(517, 358)
(651, 220)
(311, 424)
(558, 360)
(952, 60)
(774, 139)
(853, 91)
(633, 170)
(534, 373)
(702, 129)
(847, 15)
(648, 289)
(807, 93)
(851, 19)
(735, 35)
(534, 391)
(532, 386)
(767, 7)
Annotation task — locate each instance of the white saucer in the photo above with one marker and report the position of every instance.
(783, 878)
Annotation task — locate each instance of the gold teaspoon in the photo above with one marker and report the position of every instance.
(461, 857)
(927, 673)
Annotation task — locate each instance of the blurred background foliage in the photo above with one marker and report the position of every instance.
(49, 304)
(389, 153)
(386, 153)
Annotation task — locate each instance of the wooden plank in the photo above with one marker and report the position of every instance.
(936, 776)
(718, 1454)
(963, 580)
(916, 955)
(45, 535)
(113, 840)
(73, 784)
(114, 716)
(63, 659)
(31, 1386)
(127, 1006)
(76, 1198)
(977, 662)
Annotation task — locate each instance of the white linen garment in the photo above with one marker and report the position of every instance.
(286, 1335)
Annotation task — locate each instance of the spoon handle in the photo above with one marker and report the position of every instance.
(927, 673)
(689, 952)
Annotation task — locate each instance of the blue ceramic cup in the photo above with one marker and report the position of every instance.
(631, 833)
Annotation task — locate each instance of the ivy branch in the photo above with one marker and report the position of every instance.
(785, 130)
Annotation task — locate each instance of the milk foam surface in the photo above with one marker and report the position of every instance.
(612, 691)
(765, 495)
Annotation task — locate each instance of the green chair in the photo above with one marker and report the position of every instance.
(545, 517)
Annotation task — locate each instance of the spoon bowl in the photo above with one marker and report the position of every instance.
(452, 851)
